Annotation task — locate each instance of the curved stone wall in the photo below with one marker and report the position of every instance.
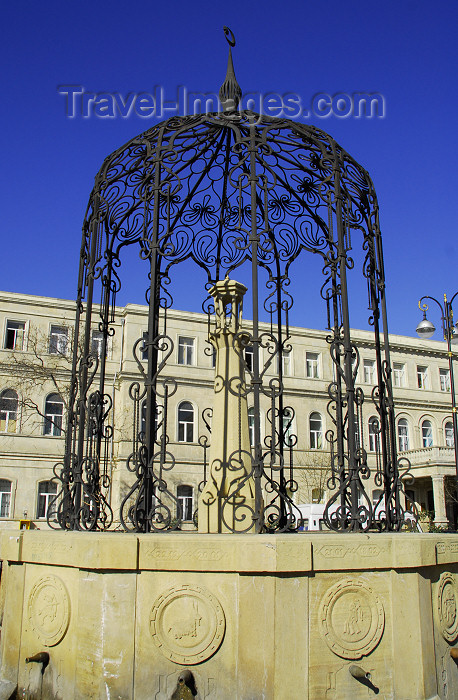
(277, 617)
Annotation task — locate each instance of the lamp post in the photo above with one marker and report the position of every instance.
(426, 329)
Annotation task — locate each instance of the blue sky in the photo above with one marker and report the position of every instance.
(406, 51)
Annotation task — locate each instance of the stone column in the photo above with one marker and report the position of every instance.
(440, 515)
(227, 501)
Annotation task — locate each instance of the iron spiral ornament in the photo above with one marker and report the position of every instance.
(228, 190)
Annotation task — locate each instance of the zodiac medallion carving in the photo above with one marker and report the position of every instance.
(49, 610)
(187, 624)
(351, 619)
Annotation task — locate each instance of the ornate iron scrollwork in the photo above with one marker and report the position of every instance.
(225, 190)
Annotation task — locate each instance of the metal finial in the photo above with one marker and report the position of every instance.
(230, 91)
(230, 38)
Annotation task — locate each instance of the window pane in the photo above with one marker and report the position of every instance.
(249, 358)
(449, 436)
(8, 411)
(5, 498)
(427, 433)
(54, 409)
(184, 495)
(185, 350)
(369, 371)
(444, 376)
(97, 343)
(58, 340)
(46, 492)
(315, 431)
(185, 422)
(286, 364)
(14, 337)
(403, 435)
(374, 430)
(287, 426)
(422, 377)
(398, 373)
(251, 425)
(312, 365)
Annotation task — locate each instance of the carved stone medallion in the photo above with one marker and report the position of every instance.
(447, 607)
(351, 619)
(187, 623)
(49, 610)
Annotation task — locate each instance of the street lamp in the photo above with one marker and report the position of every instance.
(426, 329)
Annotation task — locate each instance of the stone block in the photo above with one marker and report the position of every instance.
(106, 641)
(350, 623)
(7, 690)
(186, 620)
(50, 620)
(277, 617)
(81, 549)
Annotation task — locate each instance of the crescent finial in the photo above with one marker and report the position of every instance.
(229, 34)
(230, 92)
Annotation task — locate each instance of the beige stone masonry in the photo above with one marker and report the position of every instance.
(274, 617)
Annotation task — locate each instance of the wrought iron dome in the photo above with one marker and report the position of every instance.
(226, 189)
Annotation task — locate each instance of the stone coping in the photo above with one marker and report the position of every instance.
(305, 553)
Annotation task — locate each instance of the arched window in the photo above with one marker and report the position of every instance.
(54, 410)
(5, 498)
(251, 425)
(184, 495)
(403, 434)
(374, 434)
(185, 422)
(316, 431)
(449, 434)
(426, 433)
(46, 492)
(8, 411)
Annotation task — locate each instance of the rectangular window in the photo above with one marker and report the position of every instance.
(8, 411)
(47, 490)
(444, 377)
(399, 374)
(97, 343)
(403, 435)
(286, 360)
(185, 350)
(312, 365)
(422, 377)
(373, 442)
(369, 371)
(5, 498)
(427, 433)
(374, 435)
(58, 340)
(316, 431)
(449, 435)
(14, 336)
(249, 352)
(285, 364)
(184, 494)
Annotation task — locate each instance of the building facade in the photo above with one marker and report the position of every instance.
(35, 363)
